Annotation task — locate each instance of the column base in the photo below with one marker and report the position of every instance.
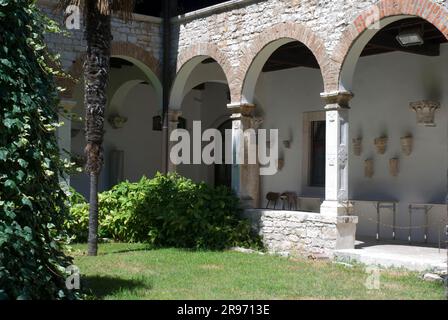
(336, 208)
(345, 222)
(346, 232)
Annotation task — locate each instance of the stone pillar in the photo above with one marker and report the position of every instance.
(64, 133)
(173, 122)
(336, 175)
(245, 176)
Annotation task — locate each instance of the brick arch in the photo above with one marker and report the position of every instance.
(120, 49)
(286, 30)
(188, 58)
(428, 10)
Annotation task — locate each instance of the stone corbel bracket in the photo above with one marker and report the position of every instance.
(357, 146)
(406, 144)
(381, 145)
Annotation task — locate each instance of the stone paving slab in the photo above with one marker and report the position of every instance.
(395, 255)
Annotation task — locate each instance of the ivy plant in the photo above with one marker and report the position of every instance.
(32, 202)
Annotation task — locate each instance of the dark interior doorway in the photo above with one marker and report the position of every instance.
(317, 156)
(223, 172)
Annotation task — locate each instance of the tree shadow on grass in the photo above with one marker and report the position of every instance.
(146, 248)
(103, 286)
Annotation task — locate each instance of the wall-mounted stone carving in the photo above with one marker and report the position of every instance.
(368, 168)
(394, 167)
(406, 144)
(357, 146)
(425, 111)
(381, 145)
(117, 121)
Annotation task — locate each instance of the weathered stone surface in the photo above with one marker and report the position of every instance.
(432, 277)
(295, 233)
(327, 28)
(235, 34)
(143, 33)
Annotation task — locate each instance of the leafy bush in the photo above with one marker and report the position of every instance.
(116, 209)
(168, 211)
(32, 203)
(77, 224)
(177, 212)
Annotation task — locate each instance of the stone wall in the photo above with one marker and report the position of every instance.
(232, 32)
(236, 28)
(142, 31)
(297, 233)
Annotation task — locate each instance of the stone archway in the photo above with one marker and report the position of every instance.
(188, 59)
(372, 20)
(265, 44)
(142, 58)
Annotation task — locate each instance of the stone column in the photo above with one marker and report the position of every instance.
(64, 133)
(336, 202)
(245, 176)
(173, 122)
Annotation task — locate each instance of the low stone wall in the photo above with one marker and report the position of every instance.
(298, 233)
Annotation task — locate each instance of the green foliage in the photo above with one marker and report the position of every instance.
(32, 203)
(77, 225)
(179, 213)
(168, 211)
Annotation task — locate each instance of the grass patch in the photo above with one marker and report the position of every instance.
(134, 271)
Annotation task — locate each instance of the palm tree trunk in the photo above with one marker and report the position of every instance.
(96, 74)
(93, 216)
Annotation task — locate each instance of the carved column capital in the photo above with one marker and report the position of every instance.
(173, 115)
(337, 99)
(425, 111)
(243, 109)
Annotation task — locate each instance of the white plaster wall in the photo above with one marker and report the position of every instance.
(141, 145)
(384, 87)
(281, 98)
(210, 107)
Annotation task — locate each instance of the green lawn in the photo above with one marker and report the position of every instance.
(130, 271)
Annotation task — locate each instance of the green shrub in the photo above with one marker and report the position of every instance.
(77, 224)
(177, 212)
(168, 211)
